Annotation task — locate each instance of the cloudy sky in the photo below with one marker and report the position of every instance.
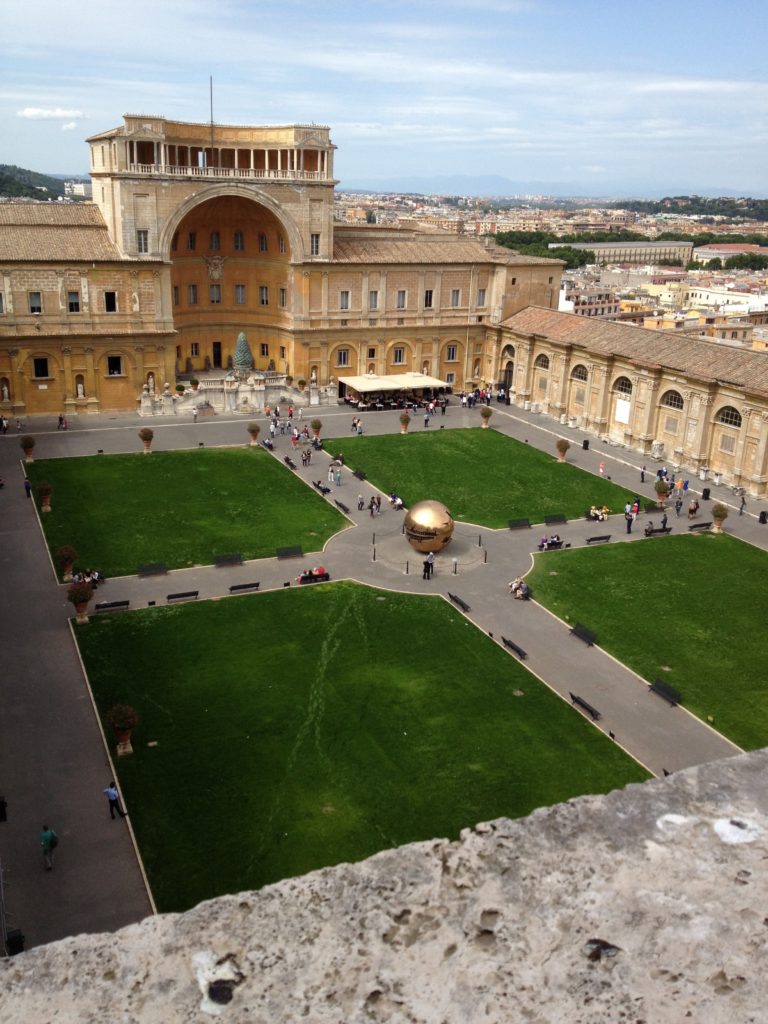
(626, 97)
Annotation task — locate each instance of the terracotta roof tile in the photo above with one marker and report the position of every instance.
(54, 232)
(694, 357)
(414, 248)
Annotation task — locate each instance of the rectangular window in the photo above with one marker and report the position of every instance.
(373, 300)
(40, 367)
(398, 355)
(314, 245)
(239, 241)
(110, 302)
(428, 299)
(214, 294)
(514, 280)
(283, 298)
(455, 296)
(371, 353)
(73, 302)
(175, 295)
(727, 442)
(239, 294)
(344, 300)
(450, 354)
(192, 294)
(450, 378)
(342, 357)
(215, 241)
(282, 352)
(281, 243)
(264, 349)
(194, 348)
(178, 351)
(481, 296)
(142, 240)
(401, 299)
(191, 241)
(262, 242)
(263, 295)
(2, 303)
(35, 302)
(114, 366)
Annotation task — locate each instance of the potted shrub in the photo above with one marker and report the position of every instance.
(146, 436)
(660, 486)
(79, 594)
(405, 419)
(180, 389)
(486, 414)
(288, 379)
(66, 555)
(195, 383)
(719, 514)
(562, 445)
(123, 719)
(317, 426)
(253, 430)
(27, 444)
(302, 383)
(45, 491)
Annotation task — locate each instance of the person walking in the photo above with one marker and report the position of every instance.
(338, 476)
(642, 475)
(601, 469)
(194, 415)
(426, 419)
(425, 570)
(664, 521)
(629, 518)
(114, 801)
(678, 506)
(28, 487)
(330, 473)
(49, 841)
(430, 564)
(743, 505)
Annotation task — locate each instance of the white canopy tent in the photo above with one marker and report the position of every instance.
(392, 382)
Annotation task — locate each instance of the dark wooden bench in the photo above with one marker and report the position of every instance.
(556, 517)
(701, 526)
(584, 634)
(289, 462)
(183, 595)
(458, 601)
(112, 606)
(601, 538)
(234, 559)
(152, 569)
(554, 546)
(294, 552)
(584, 705)
(669, 693)
(341, 505)
(655, 530)
(519, 524)
(238, 588)
(359, 474)
(522, 655)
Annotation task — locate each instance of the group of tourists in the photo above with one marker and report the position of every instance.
(549, 543)
(598, 515)
(519, 589)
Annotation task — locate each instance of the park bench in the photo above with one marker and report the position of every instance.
(601, 538)
(655, 530)
(701, 526)
(233, 559)
(239, 588)
(291, 552)
(669, 693)
(458, 601)
(584, 705)
(152, 569)
(359, 474)
(519, 524)
(183, 595)
(522, 655)
(341, 505)
(320, 486)
(289, 462)
(554, 545)
(556, 517)
(112, 606)
(584, 634)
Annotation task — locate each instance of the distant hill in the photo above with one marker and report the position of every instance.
(18, 182)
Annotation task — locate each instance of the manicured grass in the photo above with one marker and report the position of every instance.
(689, 610)
(482, 476)
(181, 508)
(292, 733)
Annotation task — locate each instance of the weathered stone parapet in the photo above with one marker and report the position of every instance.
(647, 905)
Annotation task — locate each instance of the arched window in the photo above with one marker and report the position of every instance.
(672, 400)
(542, 362)
(729, 416)
(579, 373)
(623, 385)
(508, 352)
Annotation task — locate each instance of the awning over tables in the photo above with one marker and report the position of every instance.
(392, 382)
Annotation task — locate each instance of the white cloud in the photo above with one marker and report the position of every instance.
(47, 113)
(69, 126)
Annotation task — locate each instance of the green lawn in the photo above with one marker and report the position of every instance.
(181, 508)
(482, 476)
(292, 733)
(690, 610)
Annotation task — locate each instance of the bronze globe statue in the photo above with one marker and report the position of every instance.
(428, 526)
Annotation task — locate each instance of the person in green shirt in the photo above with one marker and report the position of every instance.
(49, 841)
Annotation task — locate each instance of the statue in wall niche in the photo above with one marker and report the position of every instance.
(80, 390)
(151, 383)
(313, 377)
(5, 393)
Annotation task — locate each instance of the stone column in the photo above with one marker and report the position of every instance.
(69, 382)
(92, 389)
(741, 444)
(18, 383)
(603, 400)
(646, 422)
(698, 428)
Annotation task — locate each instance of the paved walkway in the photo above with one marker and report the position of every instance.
(53, 763)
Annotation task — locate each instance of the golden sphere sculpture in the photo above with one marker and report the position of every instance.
(428, 526)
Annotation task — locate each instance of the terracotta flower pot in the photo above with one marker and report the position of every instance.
(147, 448)
(81, 616)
